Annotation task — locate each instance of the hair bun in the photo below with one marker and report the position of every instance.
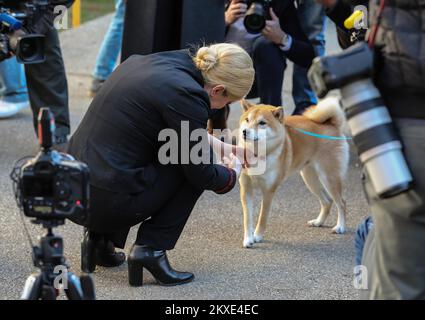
(206, 59)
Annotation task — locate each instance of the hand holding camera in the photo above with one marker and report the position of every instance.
(237, 9)
(272, 30)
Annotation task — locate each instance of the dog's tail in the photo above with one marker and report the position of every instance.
(327, 110)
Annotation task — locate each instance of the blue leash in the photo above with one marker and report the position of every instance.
(320, 136)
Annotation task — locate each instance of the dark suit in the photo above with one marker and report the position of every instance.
(162, 25)
(118, 139)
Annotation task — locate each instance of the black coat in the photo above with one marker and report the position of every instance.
(118, 137)
(162, 25)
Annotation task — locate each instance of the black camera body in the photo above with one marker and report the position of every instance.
(53, 186)
(335, 71)
(257, 14)
(14, 17)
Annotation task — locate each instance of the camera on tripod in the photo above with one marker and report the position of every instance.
(53, 186)
(368, 118)
(14, 17)
(257, 14)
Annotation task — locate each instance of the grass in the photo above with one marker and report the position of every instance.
(92, 9)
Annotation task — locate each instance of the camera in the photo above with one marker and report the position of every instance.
(256, 15)
(53, 186)
(368, 118)
(14, 17)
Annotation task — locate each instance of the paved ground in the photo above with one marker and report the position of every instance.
(295, 261)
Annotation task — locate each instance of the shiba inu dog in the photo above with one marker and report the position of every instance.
(321, 158)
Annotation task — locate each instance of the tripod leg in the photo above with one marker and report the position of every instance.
(87, 285)
(33, 287)
(74, 290)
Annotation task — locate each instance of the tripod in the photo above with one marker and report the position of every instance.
(54, 274)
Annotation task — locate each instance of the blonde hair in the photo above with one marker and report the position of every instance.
(228, 65)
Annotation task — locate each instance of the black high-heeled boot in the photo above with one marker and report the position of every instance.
(156, 262)
(98, 251)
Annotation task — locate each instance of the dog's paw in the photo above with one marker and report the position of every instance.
(338, 229)
(248, 242)
(315, 223)
(258, 238)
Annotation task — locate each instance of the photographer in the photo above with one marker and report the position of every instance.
(282, 38)
(119, 140)
(394, 251)
(47, 83)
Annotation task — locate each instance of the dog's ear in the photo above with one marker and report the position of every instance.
(246, 104)
(278, 113)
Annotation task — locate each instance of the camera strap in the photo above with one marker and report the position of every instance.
(374, 32)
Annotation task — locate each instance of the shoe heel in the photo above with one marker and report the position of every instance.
(135, 274)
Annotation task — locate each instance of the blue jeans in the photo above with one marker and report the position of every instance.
(313, 22)
(362, 232)
(13, 86)
(111, 46)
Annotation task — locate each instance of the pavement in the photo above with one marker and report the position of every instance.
(294, 262)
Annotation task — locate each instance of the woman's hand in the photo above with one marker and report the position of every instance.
(236, 10)
(225, 150)
(245, 156)
(232, 162)
(221, 149)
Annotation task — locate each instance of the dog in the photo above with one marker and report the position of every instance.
(322, 162)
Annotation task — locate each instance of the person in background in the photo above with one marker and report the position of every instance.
(152, 26)
(47, 83)
(13, 88)
(281, 39)
(110, 49)
(312, 18)
(393, 250)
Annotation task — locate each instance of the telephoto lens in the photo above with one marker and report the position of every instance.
(375, 138)
(368, 118)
